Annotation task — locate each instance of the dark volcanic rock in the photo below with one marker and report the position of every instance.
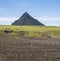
(26, 19)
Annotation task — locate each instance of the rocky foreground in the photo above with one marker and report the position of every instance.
(29, 49)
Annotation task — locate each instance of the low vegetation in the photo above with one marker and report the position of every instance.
(31, 31)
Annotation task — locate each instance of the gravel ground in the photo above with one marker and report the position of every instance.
(29, 49)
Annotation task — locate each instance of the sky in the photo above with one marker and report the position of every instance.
(46, 11)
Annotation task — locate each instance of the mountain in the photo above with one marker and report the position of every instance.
(26, 19)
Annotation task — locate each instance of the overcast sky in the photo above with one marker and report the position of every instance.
(46, 11)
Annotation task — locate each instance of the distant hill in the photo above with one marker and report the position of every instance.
(26, 19)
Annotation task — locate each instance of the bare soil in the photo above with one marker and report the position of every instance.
(29, 49)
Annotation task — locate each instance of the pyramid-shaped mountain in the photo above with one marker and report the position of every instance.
(26, 19)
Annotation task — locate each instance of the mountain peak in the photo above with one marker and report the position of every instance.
(25, 15)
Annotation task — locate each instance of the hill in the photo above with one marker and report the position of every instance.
(26, 19)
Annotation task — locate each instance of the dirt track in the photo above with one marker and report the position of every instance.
(30, 49)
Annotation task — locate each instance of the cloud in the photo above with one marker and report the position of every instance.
(50, 21)
(7, 20)
(23, 4)
(49, 18)
(1, 9)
